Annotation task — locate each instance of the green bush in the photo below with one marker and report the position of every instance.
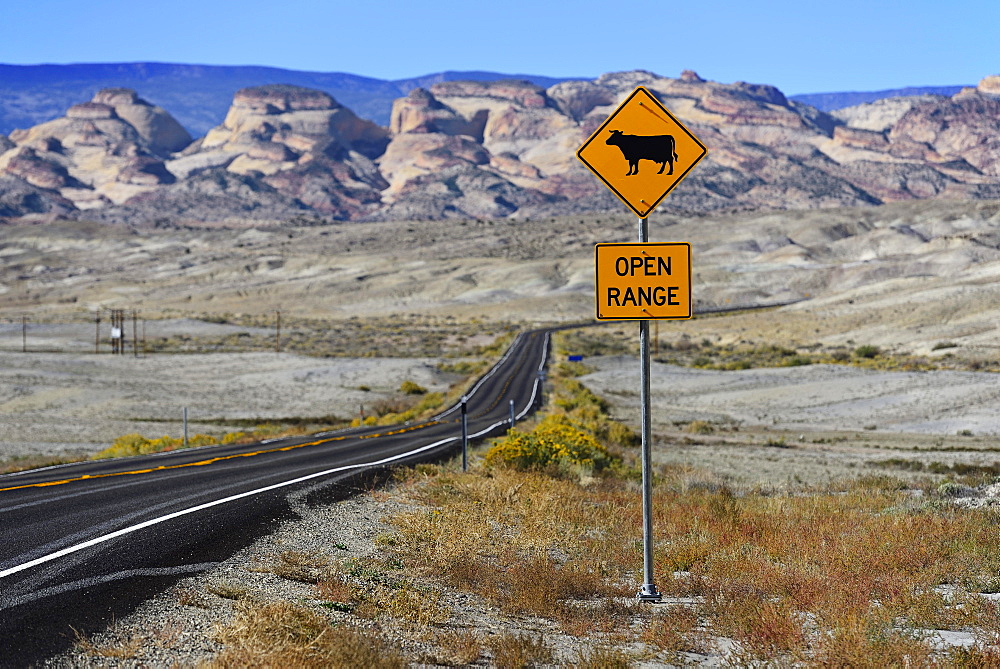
(867, 351)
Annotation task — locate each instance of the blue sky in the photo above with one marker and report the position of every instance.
(800, 46)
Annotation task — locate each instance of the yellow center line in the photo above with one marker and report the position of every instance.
(221, 458)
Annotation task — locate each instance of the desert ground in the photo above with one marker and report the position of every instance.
(373, 304)
(886, 318)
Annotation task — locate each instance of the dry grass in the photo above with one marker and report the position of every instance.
(188, 596)
(675, 631)
(228, 589)
(603, 657)
(455, 648)
(125, 650)
(815, 575)
(402, 336)
(20, 463)
(521, 556)
(289, 635)
(858, 573)
(306, 567)
(335, 590)
(513, 651)
(688, 351)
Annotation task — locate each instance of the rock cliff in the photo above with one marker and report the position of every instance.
(487, 149)
(102, 153)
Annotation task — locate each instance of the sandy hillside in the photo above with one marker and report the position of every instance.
(907, 274)
(910, 278)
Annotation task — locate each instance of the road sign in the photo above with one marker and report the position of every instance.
(650, 281)
(641, 152)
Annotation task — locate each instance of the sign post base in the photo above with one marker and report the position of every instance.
(649, 593)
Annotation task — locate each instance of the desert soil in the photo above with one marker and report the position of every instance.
(912, 279)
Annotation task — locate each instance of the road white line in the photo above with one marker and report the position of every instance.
(90, 582)
(201, 507)
(481, 381)
(535, 386)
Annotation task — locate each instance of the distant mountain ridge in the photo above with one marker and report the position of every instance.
(486, 149)
(831, 101)
(198, 96)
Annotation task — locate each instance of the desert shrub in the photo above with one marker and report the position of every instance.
(201, 440)
(797, 361)
(127, 444)
(555, 441)
(428, 402)
(516, 650)
(573, 368)
(136, 444)
(700, 427)
(571, 395)
(620, 434)
(411, 388)
(867, 351)
(283, 634)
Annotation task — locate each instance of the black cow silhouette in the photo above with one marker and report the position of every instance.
(658, 148)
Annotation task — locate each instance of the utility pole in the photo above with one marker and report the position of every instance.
(118, 331)
(24, 334)
(97, 334)
(277, 333)
(135, 337)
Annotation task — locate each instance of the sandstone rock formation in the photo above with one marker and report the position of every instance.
(881, 115)
(102, 152)
(487, 149)
(990, 85)
(299, 142)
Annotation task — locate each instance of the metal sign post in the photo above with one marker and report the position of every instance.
(641, 152)
(648, 591)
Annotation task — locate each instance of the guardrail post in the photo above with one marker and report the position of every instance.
(465, 435)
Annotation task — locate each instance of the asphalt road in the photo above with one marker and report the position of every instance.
(83, 544)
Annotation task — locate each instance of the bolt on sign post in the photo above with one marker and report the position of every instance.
(641, 152)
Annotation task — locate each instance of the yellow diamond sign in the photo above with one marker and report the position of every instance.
(641, 152)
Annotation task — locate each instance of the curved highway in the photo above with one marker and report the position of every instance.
(85, 543)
